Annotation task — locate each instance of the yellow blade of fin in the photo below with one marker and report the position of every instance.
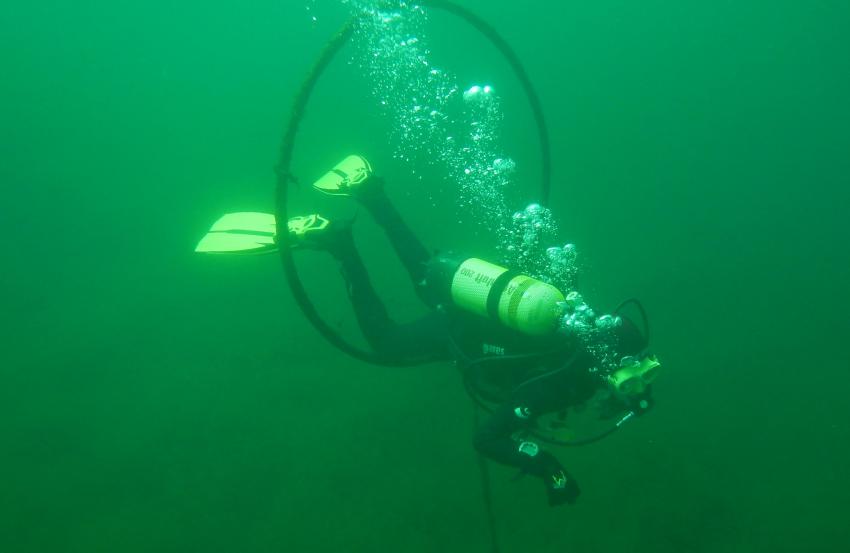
(240, 233)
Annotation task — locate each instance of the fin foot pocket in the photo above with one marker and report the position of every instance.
(346, 177)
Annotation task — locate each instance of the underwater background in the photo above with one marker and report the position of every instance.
(156, 400)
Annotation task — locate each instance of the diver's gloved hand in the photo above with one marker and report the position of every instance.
(561, 488)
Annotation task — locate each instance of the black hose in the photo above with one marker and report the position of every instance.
(284, 175)
(643, 316)
(487, 493)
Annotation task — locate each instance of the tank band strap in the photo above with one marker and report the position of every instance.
(496, 291)
(516, 298)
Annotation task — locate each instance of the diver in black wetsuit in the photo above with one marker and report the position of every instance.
(451, 334)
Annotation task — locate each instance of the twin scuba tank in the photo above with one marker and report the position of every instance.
(516, 300)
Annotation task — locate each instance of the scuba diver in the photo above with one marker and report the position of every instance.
(499, 326)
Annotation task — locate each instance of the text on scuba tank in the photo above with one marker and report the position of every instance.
(479, 278)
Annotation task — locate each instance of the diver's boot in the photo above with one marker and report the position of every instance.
(307, 231)
(353, 176)
(314, 232)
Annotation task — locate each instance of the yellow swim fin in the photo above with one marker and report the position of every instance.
(242, 233)
(345, 177)
(252, 233)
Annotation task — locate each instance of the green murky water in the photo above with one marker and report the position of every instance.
(153, 400)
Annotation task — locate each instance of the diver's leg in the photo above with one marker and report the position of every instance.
(370, 311)
(353, 177)
(423, 340)
(413, 255)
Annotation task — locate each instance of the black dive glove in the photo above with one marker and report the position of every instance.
(561, 488)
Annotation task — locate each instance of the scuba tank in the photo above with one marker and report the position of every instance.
(517, 301)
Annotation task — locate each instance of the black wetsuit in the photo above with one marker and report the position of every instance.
(452, 335)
